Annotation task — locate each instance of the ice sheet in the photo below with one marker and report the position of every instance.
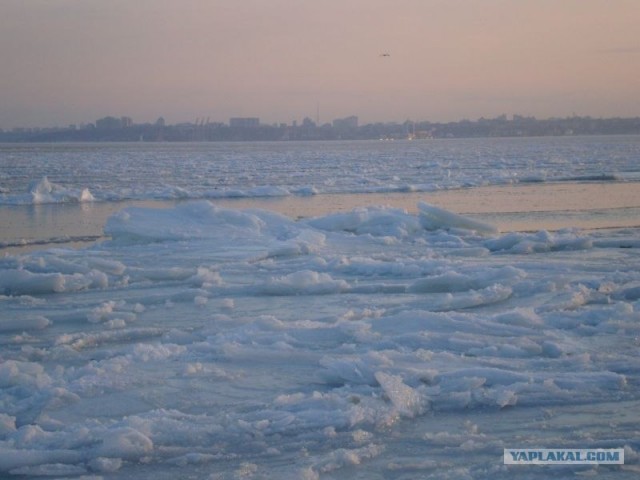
(222, 343)
(58, 173)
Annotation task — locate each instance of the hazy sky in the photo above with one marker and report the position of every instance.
(73, 61)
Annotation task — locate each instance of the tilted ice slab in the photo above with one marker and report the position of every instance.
(435, 218)
(44, 191)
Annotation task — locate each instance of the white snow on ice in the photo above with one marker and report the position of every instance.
(203, 342)
(72, 173)
(225, 343)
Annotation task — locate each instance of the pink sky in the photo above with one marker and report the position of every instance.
(73, 61)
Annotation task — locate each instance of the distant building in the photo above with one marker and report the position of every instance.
(113, 123)
(346, 123)
(308, 123)
(244, 122)
(109, 123)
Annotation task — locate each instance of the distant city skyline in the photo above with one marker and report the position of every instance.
(67, 61)
(124, 129)
(349, 121)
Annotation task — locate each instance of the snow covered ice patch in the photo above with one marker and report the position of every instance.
(215, 343)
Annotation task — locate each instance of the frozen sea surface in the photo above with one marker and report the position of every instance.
(521, 207)
(203, 342)
(199, 341)
(54, 194)
(59, 173)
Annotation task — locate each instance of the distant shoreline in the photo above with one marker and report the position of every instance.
(499, 127)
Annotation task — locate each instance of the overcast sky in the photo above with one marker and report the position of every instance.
(73, 61)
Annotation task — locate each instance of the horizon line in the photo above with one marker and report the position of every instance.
(201, 121)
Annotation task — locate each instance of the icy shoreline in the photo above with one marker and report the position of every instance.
(525, 207)
(237, 343)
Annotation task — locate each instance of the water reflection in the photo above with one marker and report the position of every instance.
(510, 208)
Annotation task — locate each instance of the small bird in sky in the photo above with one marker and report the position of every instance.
(385, 54)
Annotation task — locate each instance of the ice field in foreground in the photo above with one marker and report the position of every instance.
(203, 342)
